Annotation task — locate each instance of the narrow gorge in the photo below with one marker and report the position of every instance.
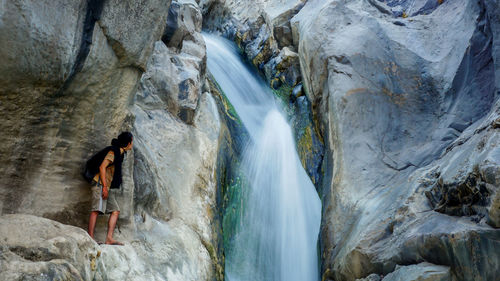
(274, 140)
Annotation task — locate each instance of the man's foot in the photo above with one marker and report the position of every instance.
(114, 242)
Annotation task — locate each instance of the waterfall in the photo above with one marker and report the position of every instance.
(278, 231)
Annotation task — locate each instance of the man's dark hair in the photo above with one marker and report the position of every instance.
(123, 139)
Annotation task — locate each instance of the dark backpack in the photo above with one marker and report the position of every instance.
(92, 166)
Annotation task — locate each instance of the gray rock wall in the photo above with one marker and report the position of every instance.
(54, 121)
(408, 106)
(66, 91)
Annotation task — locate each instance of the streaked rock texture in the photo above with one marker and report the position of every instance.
(68, 89)
(50, 125)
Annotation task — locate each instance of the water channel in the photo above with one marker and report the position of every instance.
(278, 230)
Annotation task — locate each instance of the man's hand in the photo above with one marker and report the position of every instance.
(104, 192)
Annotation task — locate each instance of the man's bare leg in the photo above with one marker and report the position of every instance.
(111, 228)
(92, 222)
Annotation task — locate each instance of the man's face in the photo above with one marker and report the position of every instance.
(129, 146)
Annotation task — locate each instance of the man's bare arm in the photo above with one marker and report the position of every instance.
(102, 174)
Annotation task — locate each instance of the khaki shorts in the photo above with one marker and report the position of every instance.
(100, 205)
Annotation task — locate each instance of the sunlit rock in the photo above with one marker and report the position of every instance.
(406, 108)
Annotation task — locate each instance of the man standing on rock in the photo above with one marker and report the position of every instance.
(106, 169)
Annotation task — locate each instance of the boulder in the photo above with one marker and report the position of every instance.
(177, 78)
(131, 26)
(34, 248)
(35, 49)
(184, 20)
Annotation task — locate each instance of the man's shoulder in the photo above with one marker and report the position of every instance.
(110, 156)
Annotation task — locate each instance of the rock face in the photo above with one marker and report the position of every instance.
(35, 248)
(407, 106)
(405, 95)
(51, 124)
(68, 89)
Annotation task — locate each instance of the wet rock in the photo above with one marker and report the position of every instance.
(261, 49)
(309, 145)
(231, 183)
(285, 67)
(288, 65)
(276, 83)
(297, 92)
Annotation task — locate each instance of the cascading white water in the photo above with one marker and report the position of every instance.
(278, 232)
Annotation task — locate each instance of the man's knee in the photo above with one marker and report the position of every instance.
(116, 213)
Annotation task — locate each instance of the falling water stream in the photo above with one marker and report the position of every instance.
(278, 230)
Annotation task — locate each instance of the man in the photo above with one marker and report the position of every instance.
(107, 167)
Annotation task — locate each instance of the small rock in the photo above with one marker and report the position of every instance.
(371, 277)
(421, 272)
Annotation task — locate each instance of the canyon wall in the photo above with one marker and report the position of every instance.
(76, 74)
(394, 106)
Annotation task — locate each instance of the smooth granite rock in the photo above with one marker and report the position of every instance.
(407, 110)
(34, 248)
(36, 50)
(131, 26)
(50, 127)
